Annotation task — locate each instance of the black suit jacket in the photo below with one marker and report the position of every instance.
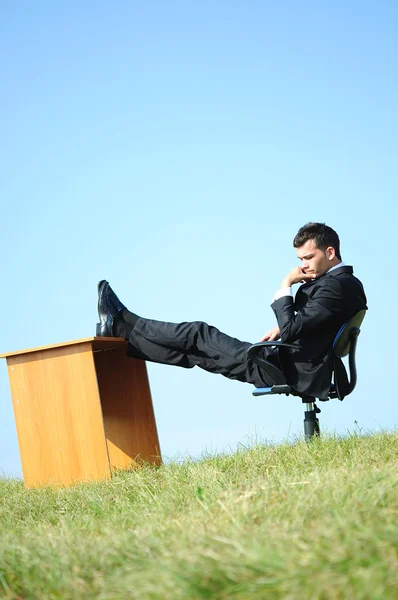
(311, 322)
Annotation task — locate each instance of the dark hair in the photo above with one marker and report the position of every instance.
(322, 235)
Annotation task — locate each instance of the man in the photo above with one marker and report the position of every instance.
(329, 296)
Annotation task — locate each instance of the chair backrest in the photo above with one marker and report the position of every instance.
(350, 329)
(345, 343)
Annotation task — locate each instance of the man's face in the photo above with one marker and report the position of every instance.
(314, 260)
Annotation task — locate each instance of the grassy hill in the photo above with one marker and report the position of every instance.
(296, 521)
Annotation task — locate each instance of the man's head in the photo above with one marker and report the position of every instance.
(318, 247)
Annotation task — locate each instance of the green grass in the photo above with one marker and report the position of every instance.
(309, 521)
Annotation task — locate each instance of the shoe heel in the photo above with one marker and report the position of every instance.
(98, 330)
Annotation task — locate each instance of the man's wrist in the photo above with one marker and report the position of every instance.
(286, 283)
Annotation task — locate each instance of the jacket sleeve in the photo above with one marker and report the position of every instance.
(320, 311)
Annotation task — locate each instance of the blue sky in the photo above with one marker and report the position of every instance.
(174, 148)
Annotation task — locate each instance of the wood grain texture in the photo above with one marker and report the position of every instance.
(58, 415)
(129, 420)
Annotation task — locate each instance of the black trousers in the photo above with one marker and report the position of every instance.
(194, 344)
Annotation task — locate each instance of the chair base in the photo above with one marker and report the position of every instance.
(311, 425)
(311, 421)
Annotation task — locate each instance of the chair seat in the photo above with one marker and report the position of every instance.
(286, 389)
(275, 389)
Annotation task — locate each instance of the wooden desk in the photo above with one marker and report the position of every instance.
(81, 408)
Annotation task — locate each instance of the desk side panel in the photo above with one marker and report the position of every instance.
(58, 416)
(129, 420)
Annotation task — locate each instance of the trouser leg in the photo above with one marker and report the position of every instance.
(192, 344)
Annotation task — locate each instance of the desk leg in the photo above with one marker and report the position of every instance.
(129, 420)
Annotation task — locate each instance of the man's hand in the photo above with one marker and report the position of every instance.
(297, 275)
(272, 335)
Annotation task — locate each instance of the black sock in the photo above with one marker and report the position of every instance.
(129, 317)
(121, 329)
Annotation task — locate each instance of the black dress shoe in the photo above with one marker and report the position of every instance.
(115, 302)
(106, 311)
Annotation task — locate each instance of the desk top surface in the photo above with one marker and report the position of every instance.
(98, 343)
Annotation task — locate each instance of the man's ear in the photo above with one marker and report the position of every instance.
(330, 253)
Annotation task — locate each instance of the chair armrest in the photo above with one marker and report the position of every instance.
(264, 344)
(253, 353)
